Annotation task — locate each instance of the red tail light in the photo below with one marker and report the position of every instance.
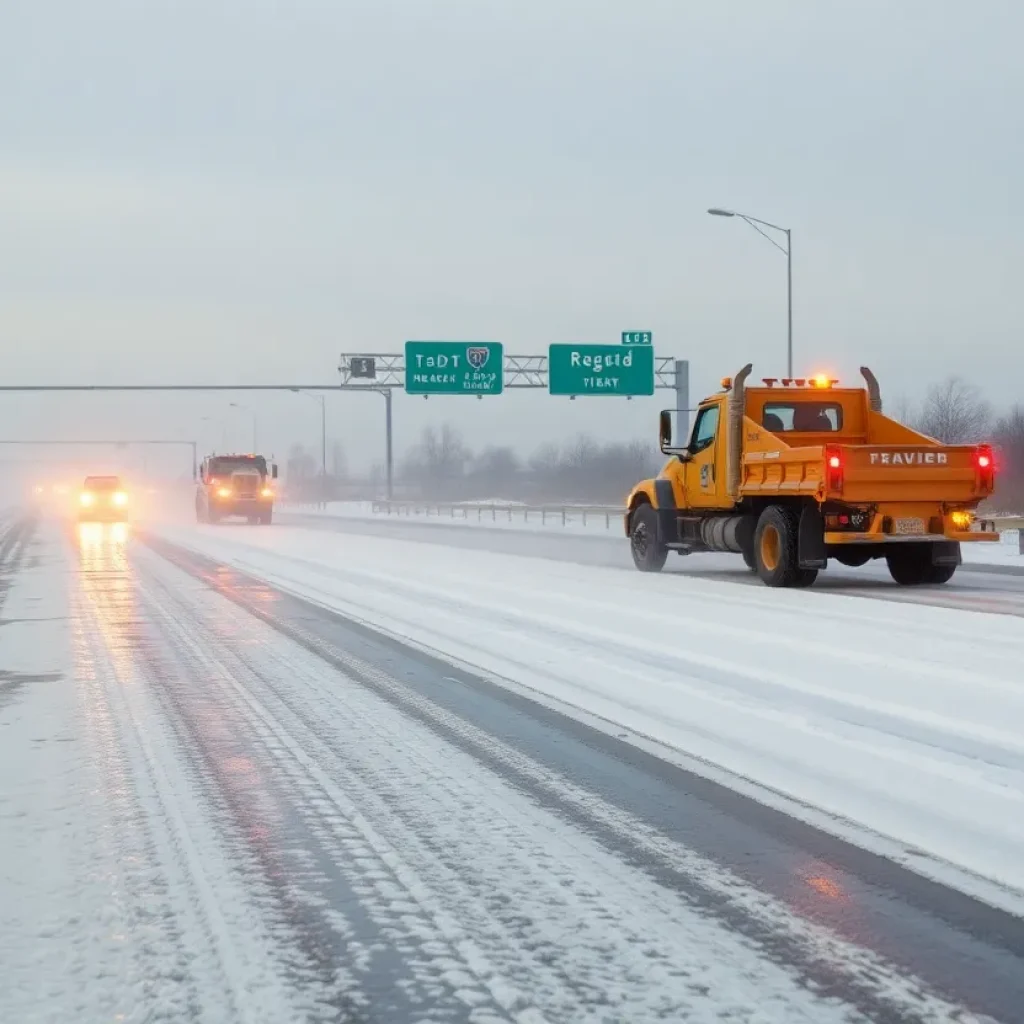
(985, 468)
(833, 469)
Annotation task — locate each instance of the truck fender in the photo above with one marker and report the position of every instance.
(668, 523)
(811, 539)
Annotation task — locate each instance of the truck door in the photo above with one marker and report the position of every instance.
(702, 469)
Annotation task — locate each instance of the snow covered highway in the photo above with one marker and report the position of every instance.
(311, 773)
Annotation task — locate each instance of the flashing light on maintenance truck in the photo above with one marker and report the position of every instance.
(820, 380)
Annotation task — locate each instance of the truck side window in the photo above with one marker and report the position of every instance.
(704, 429)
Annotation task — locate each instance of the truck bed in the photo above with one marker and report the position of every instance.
(870, 473)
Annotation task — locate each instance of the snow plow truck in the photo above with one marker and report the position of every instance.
(799, 471)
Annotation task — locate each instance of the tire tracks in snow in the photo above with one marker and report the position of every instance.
(848, 974)
(192, 942)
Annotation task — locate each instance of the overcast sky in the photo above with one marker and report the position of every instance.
(239, 190)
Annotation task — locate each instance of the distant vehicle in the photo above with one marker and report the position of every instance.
(235, 485)
(799, 471)
(102, 499)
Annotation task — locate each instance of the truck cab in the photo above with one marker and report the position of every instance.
(795, 472)
(235, 485)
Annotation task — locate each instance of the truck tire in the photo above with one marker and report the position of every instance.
(748, 559)
(910, 565)
(266, 518)
(776, 549)
(649, 554)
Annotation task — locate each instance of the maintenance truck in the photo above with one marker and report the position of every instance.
(800, 471)
(235, 485)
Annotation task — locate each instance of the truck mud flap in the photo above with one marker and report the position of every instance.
(668, 514)
(946, 552)
(811, 539)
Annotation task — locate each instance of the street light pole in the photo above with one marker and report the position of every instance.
(788, 250)
(789, 303)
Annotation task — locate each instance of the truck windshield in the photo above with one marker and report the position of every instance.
(803, 417)
(102, 483)
(226, 466)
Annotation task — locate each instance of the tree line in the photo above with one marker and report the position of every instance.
(442, 466)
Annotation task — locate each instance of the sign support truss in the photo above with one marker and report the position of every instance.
(519, 371)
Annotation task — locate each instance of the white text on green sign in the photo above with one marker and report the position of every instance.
(637, 338)
(453, 367)
(600, 370)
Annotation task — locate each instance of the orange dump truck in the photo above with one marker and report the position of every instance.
(796, 472)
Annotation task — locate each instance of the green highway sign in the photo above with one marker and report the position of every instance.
(454, 367)
(637, 338)
(600, 370)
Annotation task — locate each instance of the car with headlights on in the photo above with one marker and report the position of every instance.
(102, 499)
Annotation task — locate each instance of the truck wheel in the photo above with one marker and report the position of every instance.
(212, 516)
(910, 565)
(267, 517)
(199, 514)
(649, 554)
(775, 549)
(748, 559)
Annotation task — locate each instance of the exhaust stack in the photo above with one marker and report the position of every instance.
(735, 454)
(874, 391)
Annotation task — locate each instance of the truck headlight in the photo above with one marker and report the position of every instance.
(223, 492)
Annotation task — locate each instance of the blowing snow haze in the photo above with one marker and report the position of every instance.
(216, 191)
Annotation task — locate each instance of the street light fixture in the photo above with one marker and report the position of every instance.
(788, 250)
(322, 399)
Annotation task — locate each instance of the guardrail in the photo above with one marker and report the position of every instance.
(1006, 522)
(609, 515)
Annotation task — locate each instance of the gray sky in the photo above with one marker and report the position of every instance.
(241, 189)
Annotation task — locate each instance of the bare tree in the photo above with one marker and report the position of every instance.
(496, 469)
(904, 411)
(438, 462)
(1009, 438)
(300, 464)
(955, 412)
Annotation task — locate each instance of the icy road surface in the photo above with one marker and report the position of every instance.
(221, 802)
